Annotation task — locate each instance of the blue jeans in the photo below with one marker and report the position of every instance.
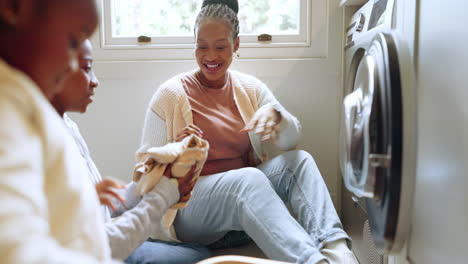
(254, 200)
(163, 252)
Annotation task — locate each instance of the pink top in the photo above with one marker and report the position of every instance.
(215, 113)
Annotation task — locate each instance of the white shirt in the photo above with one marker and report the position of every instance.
(93, 172)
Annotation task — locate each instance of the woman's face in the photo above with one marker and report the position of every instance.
(214, 52)
(78, 88)
(44, 46)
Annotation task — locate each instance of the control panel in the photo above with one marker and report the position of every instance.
(371, 15)
(359, 22)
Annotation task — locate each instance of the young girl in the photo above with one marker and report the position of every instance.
(128, 232)
(49, 212)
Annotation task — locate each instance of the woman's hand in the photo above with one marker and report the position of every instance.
(189, 130)
(106, 192)
(186, 183)
(265, 123)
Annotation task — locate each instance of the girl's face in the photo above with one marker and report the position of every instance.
(214, 52)
(78, 88)
(45, 46)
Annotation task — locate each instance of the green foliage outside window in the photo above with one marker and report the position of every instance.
(131, 18)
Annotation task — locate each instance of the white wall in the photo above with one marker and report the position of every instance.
(309, 88)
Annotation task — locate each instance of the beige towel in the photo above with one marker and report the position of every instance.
(192, 150)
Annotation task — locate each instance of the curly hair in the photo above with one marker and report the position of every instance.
(224, 10)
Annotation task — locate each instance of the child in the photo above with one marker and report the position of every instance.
(48, 210)
(127, 233)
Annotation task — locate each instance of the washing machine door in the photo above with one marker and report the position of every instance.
(372, 134)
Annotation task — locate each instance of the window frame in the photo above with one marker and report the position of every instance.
(311, 41)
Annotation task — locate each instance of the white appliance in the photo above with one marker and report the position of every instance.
(440, 201)
(378, 133)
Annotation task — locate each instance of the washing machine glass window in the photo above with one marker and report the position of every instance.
(378, 131)
(368, 122)
(357, 110)
(372, 128)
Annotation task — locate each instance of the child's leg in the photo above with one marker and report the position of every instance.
(163, 252)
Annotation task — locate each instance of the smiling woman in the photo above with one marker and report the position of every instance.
(243, 187)
(214, 51)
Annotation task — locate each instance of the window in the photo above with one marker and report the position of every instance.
(163, 25)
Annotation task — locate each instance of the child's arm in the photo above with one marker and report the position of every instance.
(136, 225)
(133, 227)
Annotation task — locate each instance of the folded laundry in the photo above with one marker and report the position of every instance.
(183, 155)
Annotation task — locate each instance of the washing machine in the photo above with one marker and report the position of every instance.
(378, 133)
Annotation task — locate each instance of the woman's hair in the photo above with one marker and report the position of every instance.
(224, 10)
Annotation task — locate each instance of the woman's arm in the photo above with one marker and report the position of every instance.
(154, 133)
(289, 131)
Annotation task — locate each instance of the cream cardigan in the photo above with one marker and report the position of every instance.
(170, 111)
(49, 210)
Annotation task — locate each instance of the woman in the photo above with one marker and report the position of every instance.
(128, 232)
(242, 189)
(48, 210)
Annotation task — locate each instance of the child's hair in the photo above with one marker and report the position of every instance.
(39, 37)
(224, 10)
(40, 8)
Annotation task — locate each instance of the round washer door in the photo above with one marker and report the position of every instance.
(371, 134)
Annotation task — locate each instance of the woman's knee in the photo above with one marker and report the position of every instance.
(246, 179)
(300, 157)
(303, 165)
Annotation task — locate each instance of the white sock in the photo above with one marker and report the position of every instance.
(338, 252)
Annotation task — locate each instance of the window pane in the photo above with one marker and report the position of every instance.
(131, 18)
(269, 16)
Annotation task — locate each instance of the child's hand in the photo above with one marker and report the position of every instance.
(106, 192)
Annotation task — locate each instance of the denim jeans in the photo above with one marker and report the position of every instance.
(163, 252)
(255, 199)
